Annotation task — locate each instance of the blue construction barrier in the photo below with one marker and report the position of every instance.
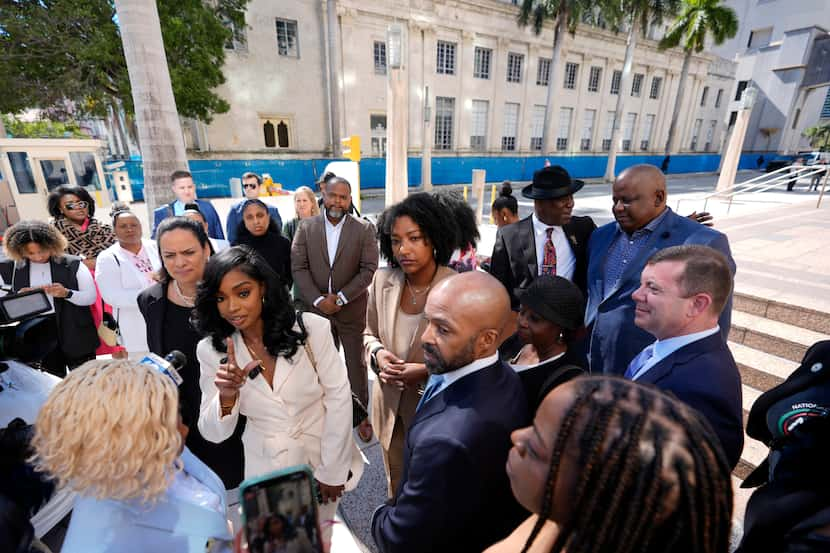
(212, 177)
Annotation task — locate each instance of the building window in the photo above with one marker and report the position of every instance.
(444, 113)
(571, 70)
(825, 109)
(22, 171)
(656, 83)
(445, 60)
(238, 40)
(537, 127)
(587, 129)
(594, 78)
(564, 131)
(695, 134)
(719, 98)
(703, 96)
(759, 38)
(733, 116)
(511, 127)
(481, 67)
(740, 91)
(380, 57)
(637, 85)
(276, 132)
(377, 125)
(645, 135)
(543, 72)
(616, 79)
(795, 118)
(628, 131)
(609, 131)
(514, 67)
(287, 44)
(478, 133)
(710, 135)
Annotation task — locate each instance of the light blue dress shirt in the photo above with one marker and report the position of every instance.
(664, 348)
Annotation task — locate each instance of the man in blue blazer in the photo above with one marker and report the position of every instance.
(617, 253)
(185, 192)
(682, 293)
(454, 494)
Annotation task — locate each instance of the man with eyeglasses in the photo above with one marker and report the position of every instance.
(617, 253)
(185, 191)
(251, 186)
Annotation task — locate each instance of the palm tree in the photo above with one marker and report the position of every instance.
(566, 14)
(819, 136)
(637, 16)
(698, 21)
(159, 132)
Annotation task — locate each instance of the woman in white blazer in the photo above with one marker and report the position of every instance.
(122, 272)
(285, 375)
(140, 490)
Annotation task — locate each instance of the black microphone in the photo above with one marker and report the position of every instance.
(168, 365)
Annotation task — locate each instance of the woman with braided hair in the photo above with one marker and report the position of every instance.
(612, 466)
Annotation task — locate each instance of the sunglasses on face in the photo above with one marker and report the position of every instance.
(249, 185)
(76, 205)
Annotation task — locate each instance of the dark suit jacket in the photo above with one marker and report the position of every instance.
(703, 375)
(355, 262)
(212, 218)
(454, 494)
(614, 338)
(514, 254)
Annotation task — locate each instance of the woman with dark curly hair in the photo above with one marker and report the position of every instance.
(279, 370)
(37, 260)
(417, 238)
(167, 307)
(73, 210)
(465, 233)
(260, 232)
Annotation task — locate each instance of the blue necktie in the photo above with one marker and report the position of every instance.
(433, 385)
(639, 362)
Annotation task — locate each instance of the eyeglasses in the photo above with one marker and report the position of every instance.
(76, 205)
(249, 185)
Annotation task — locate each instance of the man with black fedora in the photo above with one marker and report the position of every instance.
(550, 242)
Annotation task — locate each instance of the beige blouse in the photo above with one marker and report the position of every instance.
(406, 326)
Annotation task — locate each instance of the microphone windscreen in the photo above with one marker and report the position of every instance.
(176, 358)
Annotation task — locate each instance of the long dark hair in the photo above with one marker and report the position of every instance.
(464, 218)
(54, 201)
(242, 232)
(178, 223)
(434, 219)
(278, 314)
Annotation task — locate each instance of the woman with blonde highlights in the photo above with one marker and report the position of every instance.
(111, 431)
(305, 205)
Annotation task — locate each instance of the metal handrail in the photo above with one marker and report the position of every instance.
(762, 183)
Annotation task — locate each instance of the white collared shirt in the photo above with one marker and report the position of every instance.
(664, 348)
(456, 375)
(565, 260)
(333, 233)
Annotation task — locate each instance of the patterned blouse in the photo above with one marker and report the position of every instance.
(89, 240)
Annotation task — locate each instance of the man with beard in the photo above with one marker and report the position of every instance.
(454, 494)
(333, 259)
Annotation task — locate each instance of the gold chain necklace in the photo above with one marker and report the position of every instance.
(413, 292)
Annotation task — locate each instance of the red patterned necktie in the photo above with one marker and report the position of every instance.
(549, 259)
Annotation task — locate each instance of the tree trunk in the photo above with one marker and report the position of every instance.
(159, 131)
(678, 102)
(558, 33)
(2, 127)
(625, 90)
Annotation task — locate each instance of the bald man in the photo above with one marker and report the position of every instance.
(617, 253)
(454, 494)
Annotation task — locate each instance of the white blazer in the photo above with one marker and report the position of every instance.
(120, 282)
(306, 418)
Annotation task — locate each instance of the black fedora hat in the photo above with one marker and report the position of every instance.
(550, 183)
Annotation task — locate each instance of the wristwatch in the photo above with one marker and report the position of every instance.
(339, 302)
(68, 294)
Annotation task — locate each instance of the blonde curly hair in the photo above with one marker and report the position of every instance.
(109, 430)
(19, 235)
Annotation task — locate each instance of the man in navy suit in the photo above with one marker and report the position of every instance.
(454, 494)
(185, 192)
(683, 290)
(617, 253)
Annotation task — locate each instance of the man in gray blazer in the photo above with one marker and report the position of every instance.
(333, 259)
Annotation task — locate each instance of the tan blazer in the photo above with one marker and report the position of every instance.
(384, 300)
(355, 263)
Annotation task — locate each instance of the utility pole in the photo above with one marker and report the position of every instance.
(397, 110)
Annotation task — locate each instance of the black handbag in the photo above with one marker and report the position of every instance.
(359, 411)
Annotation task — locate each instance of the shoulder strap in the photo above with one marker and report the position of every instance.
(308, 351)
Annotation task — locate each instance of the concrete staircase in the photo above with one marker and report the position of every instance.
(768, 339)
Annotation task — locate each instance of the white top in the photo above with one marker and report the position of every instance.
(521, 368)
(40, 274)
(333, 233)
(565, 260)
(664, 348)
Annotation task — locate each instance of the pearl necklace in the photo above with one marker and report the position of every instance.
(189, 301)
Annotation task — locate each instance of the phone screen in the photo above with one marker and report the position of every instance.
(280, 515)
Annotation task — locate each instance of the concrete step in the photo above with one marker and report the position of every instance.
(796, 315)
(773, 337)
